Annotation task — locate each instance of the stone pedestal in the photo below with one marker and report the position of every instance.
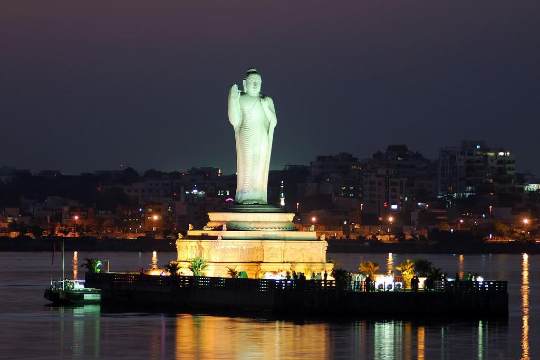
(259, 243)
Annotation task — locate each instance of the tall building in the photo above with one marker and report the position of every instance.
(336, 175)
(474, 168)
(394, 177)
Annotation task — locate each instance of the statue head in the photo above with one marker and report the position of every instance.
(252, 83)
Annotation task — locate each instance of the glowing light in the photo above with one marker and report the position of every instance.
(384, 282)
(390, 219)
(525, 221)
(313, 219)
(155, 218)
(76, 217)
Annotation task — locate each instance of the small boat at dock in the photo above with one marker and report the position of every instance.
(72, 292)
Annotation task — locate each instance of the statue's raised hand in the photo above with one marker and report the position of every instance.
(234, 92)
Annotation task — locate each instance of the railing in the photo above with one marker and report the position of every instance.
(67, 284)
(472, 286)
(129, 280)
(126, 280)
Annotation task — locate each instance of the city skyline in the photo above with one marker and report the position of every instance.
(85, 86)
(486, 146)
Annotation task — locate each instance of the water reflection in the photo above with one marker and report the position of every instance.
(159, 336)
(208, 337)
(480, 336)
(75, 263)
(385, 339)
(461, 266)
(421, 343)
(525, 307)
(83, 341)
(88, 333)
(390, 264)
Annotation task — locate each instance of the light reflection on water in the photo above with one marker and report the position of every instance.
(75, 265)
(461, 266)
(390, 264)
(525, 307)
(88, 332)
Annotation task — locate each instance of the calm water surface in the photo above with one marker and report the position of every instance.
(31, 330)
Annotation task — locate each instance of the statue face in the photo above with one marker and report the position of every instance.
(252, 85)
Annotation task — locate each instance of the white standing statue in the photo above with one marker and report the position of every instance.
(253, 117)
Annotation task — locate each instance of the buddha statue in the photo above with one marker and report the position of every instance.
(253, 117)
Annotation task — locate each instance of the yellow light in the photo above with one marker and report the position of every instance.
(155, 217)
(390, 219)
(313, 219)
(526, 221)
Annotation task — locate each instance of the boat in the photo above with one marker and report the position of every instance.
(72, 292)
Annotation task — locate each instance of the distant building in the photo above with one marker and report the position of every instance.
(395, 177)
(336, 175)
(474, 168)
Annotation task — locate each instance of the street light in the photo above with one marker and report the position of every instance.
(526, 221)
(314, 219)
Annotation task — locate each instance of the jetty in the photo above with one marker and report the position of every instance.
(298, 298)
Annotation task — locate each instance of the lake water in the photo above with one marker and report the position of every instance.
(29, 329)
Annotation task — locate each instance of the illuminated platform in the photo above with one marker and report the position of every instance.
(262, 244)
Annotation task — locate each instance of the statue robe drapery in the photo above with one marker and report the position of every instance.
(254, 137)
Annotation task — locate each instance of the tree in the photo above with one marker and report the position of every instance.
(172, 268)
(92, 265)
(422, 267)
(407, 272)
(435, 274)
(342, 278)
(233, 273)
(502, 229)
(197, 265)
(368, 268)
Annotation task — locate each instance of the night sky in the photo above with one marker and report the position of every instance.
(87, 86)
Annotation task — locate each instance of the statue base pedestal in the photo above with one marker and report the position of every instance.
(263, 244)
(258, 258)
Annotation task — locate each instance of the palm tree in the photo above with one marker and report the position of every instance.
(422, 267)
(342, 278)
(92, 265)
(435, 274)
(407, 272)
(197, 265)
(368, 268)
(233, 273)
(172, 268)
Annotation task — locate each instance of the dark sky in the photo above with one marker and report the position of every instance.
(88, 85)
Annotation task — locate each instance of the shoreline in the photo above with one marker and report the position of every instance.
(334, 246)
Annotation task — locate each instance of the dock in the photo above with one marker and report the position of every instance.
(298, 298)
